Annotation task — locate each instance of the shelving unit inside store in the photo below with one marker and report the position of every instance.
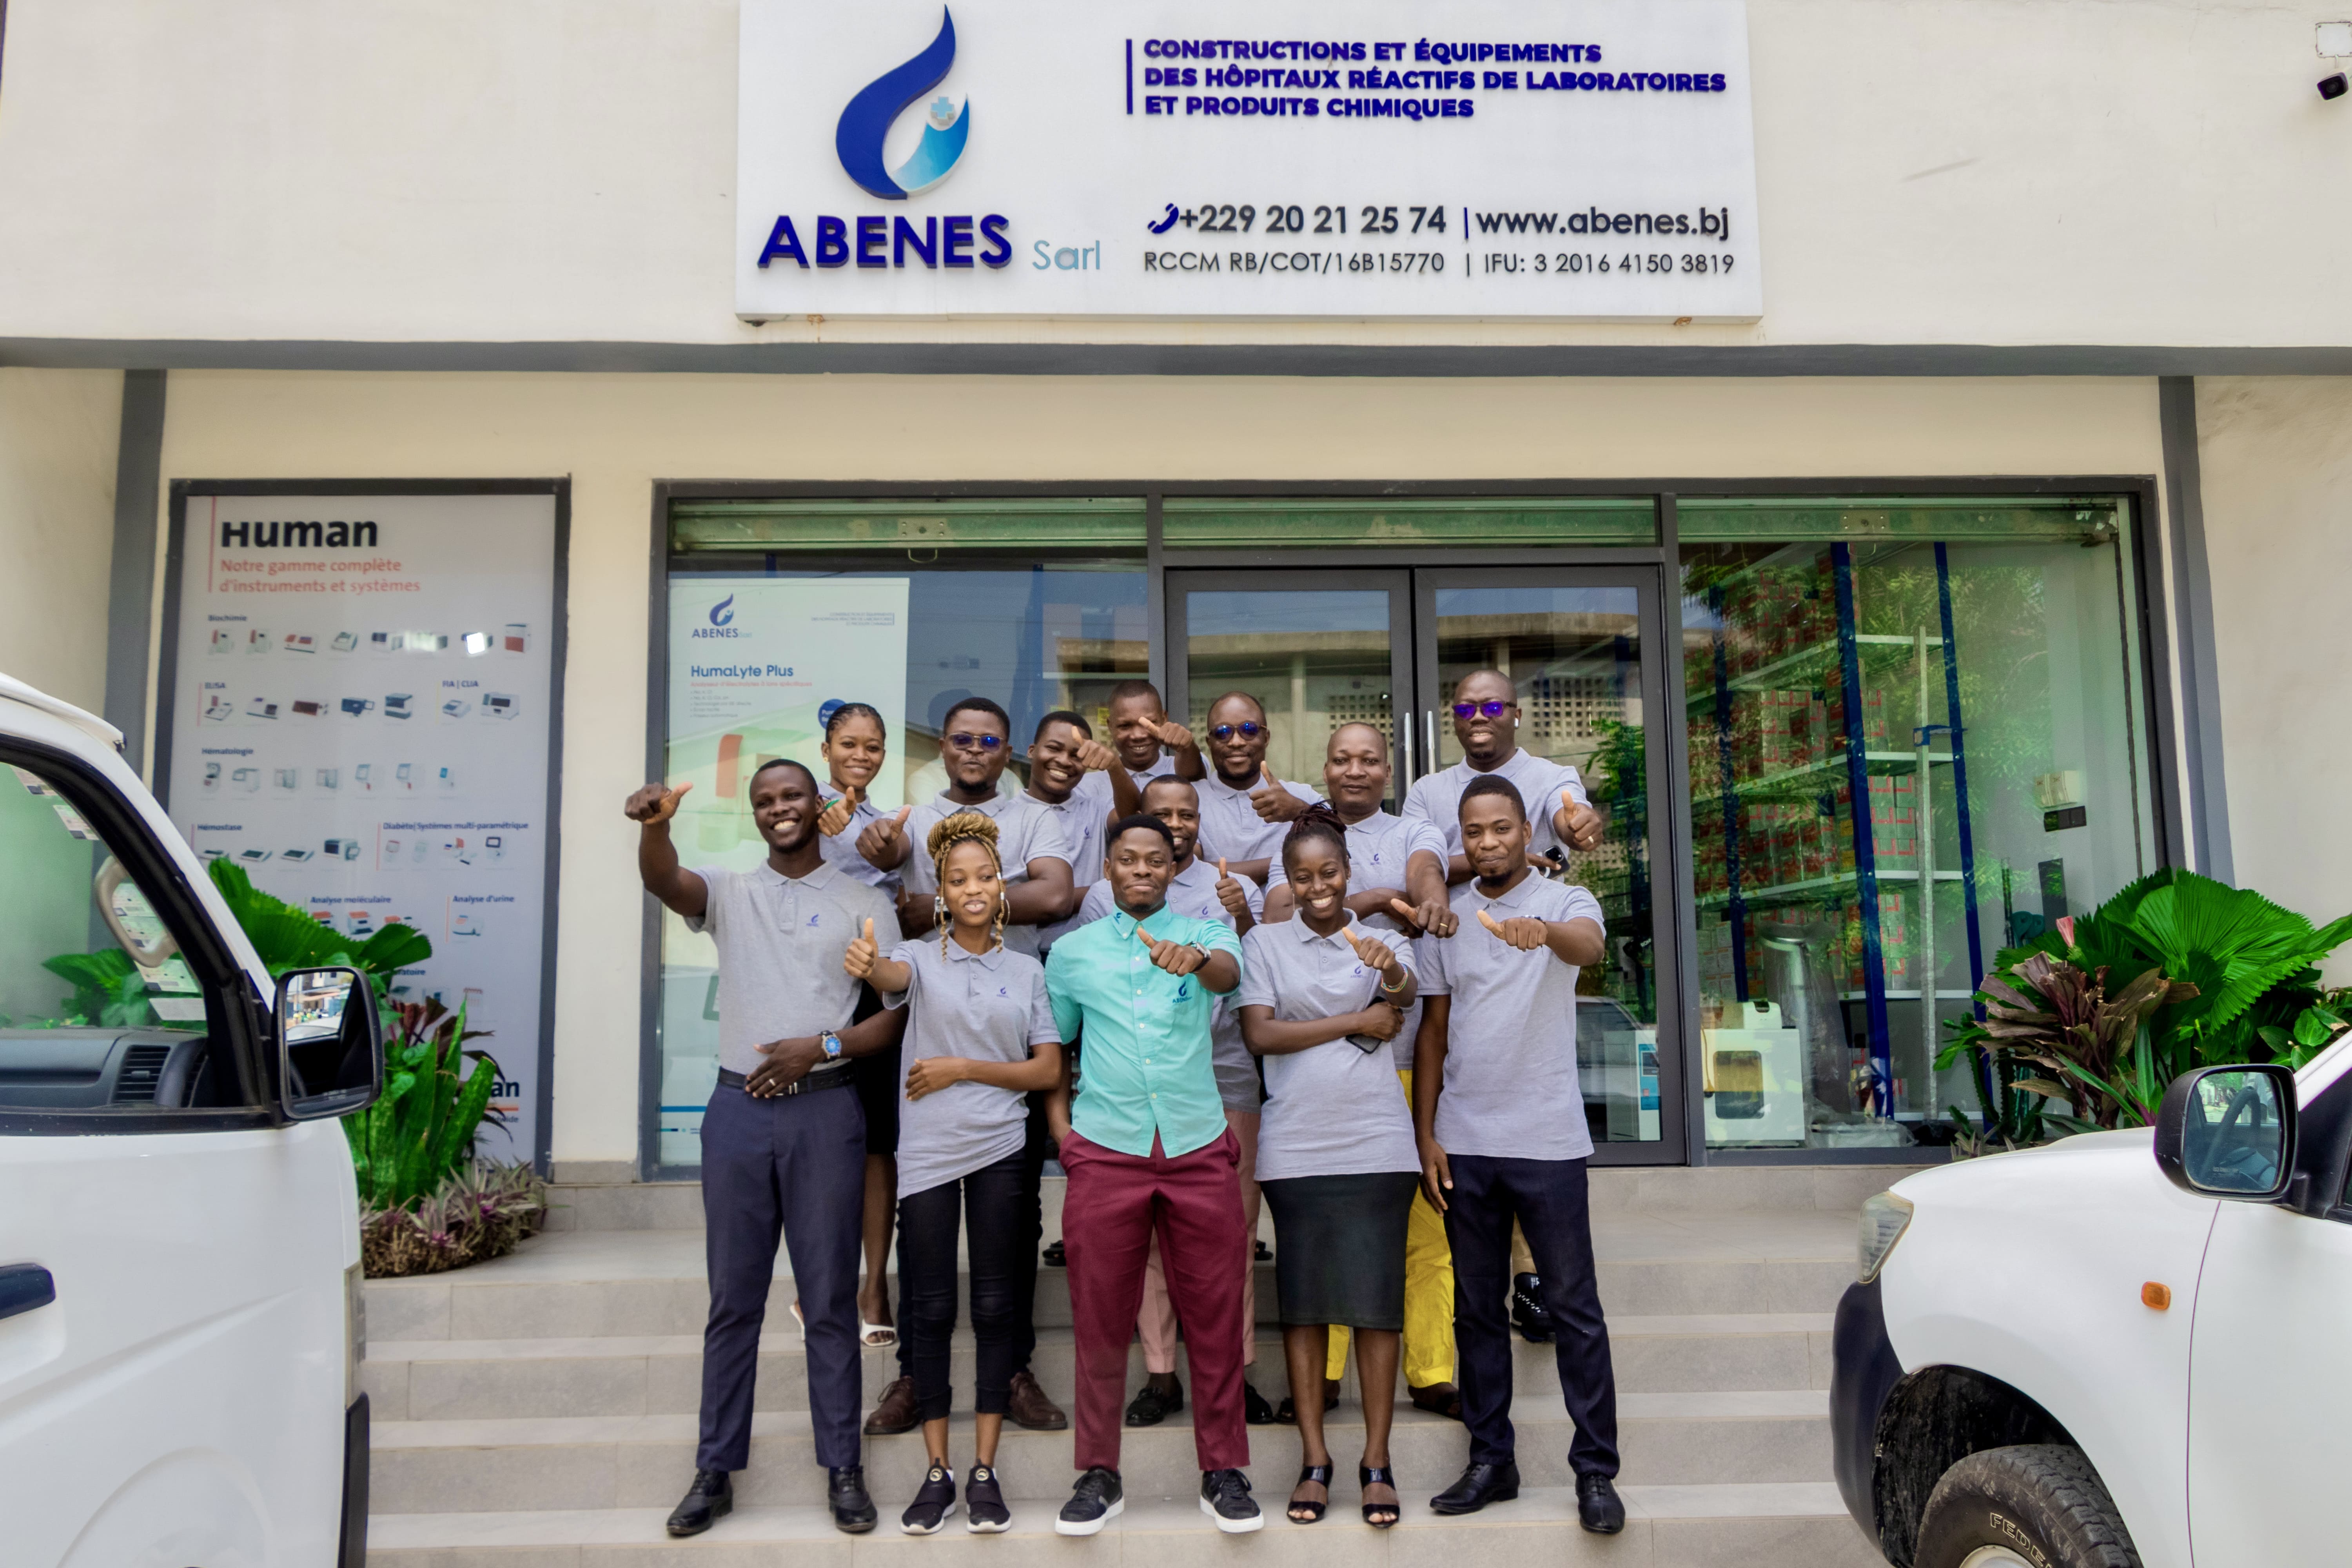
(1794, 737)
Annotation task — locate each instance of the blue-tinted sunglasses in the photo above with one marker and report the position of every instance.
(965, 743)
(1248, 730)
(1493, 707)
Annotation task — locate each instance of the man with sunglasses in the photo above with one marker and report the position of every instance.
(1244, 809)
(1487, 722)
(975, 742)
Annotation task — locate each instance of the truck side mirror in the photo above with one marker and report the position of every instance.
(2229, 1132)
(330, 1048)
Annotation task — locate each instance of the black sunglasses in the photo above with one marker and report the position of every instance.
(1248, 730)
(1493, 707)
(965, 743)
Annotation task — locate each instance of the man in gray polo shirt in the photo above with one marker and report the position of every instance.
(976, 743)
(1499, 1116)
(784, 1141)
(1487, 722)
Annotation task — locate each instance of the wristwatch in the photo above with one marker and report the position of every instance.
(831, 1042)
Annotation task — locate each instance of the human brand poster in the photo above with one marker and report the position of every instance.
(756, 664)
(360, 712)
(1592, 160)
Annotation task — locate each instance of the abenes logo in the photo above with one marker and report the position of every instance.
(865, 123)
(721, 617)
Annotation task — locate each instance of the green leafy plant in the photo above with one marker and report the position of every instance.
(479, 1213)
(290, 938)
(420, 1129)
(108, 990)
(2175, 971)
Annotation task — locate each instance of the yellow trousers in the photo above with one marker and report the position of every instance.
(1428, 1352)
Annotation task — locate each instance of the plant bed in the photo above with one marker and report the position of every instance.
(475, 1214)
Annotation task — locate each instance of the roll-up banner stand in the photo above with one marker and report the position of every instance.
(361, 709)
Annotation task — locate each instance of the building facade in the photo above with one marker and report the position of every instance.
(1964, 568)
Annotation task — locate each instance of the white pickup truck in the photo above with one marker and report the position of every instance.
(2126, 1348)
(179, 1224)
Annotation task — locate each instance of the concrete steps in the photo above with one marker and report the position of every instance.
(539, 1412)
(1721, 1526)
(439, 1380)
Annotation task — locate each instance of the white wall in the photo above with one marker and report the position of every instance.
(57, 437)
(616, 436)
(2277, 460)
(1994, 172)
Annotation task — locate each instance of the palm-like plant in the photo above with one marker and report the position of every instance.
(420, 1132)
(2092, 1040)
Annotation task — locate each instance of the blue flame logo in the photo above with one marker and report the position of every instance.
(867, 122)
(723, 611)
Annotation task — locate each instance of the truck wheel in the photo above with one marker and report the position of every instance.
(2034, 1506)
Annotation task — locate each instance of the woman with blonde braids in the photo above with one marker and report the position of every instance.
(980, 1036)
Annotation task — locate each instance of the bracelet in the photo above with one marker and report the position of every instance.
(1389, 990)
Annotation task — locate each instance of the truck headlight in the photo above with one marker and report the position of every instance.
(1883, 1220)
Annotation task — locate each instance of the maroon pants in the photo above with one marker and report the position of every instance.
(1114, 1204)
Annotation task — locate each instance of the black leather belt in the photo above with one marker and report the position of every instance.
(828, 1077)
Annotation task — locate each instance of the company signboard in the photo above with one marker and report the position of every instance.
(361, 692)
(1590, 160)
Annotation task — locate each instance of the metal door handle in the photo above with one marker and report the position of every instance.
(1405, 735)
(24, 1287)
(1429, 731)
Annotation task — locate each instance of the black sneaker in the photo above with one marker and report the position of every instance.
(844, 1493)
(1528, 1313)
(1598, 1507)
(1055, 1257)
(1225, 1497)
(1254, 1409)
(932, 1504)
(712, 1496)
(1151, 1405)
(1094, 1503)
(984, 1512)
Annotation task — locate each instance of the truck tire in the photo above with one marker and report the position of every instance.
(2034, 1506)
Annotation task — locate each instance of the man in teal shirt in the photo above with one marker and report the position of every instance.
(1144, 1142)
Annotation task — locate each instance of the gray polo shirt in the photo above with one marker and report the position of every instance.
(1026, 829)
(1511, 1088)
(1230, 826)
(1437, 798)
(1330, 1109)
(989, 1007)
(781, 944)
(1081, 819)
(841, 848)
(1193, 892)
(1379, 848)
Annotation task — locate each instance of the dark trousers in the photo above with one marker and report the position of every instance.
(1114, 1205)
(989, 1199)
(793, 1166)
(1030, 1209)
(1548, 1197)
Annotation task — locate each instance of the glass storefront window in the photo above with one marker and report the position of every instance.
(1914, 740)
(908, 638)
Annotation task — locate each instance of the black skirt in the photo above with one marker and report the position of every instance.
(1340, 1247)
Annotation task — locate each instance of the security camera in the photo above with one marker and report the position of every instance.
(2333, 87)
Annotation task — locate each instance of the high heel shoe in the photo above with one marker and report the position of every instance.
(1379, 1475)
(1321, 1476)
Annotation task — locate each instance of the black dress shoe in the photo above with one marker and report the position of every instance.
(1255, 1411)
(1528, 1313)
(844, 1493)
(711, 1495)
(1151, 1404)
(1598, 1507)
(1480, 1485)
(1055, 1257)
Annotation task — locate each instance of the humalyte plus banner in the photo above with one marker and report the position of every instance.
(1593, 159)
(360, 718)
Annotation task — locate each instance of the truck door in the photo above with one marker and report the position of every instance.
(173, 1321)
(2270, 1381)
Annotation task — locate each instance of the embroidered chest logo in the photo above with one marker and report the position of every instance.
(1184, 990)
(815, 919)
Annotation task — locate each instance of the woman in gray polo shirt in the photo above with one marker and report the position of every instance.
(1322, 996)
(980, 1035)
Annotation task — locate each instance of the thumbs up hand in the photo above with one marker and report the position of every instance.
(1374, 954)
(1272, 802)
(1177, 958)
(859, 960)
(838, 814)
(1433, 917)
(1231, 893)
(1577, 823)
(883, 844)
(655, 803)
(1096, 757)
(1171, 734)
(1522, 932)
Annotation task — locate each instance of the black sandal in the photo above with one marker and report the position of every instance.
(1383, 1476)
(1321, 1476)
